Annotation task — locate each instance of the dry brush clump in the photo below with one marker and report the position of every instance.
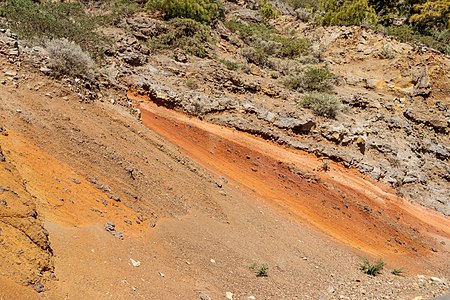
(67, 58)
(322, 104)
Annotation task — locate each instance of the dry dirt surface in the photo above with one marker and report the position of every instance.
(193, 206)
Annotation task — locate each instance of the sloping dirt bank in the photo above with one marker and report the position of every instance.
(357, 211)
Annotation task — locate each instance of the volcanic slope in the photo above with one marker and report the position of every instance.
(196, 205)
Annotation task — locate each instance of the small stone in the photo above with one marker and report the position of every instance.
(110, 226)
(179, 56)
(14, 52)
(76, 181)
(45, 70)
(436, 279)
(118, 234)
(204, 296)
(229, 295)
(213, 260)
(114, 197)
(162, 274)
(330, 289)
(251, 298)
(135, 263)
(11, 74)
(39, 287)
(18, 111)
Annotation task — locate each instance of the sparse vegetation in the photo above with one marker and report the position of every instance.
(204, 11)
(118, 9)
(186, 34)
(255, 56)
(261, 270)
(231, 65)
(371, 269)
(322, 104)
(398, 272)
(347, 12)
(311, 79)
(67, 58)
(267, 10)
(386, 52)
(191, 84)
(267, 42)
(52, 20)
(325, 165)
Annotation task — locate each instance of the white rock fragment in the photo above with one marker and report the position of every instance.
(135, 263)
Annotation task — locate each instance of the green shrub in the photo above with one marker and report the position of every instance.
(321, 104)
(346, 12)
(439, 40)
(67, 58)
(186, 34)
(292, 47)
(371, 269)
(117, 10)
(248, 32)
(301, 3)
(398, 272)
(261, 270)
(231, 65)
(255, 56)
(267, 40)
(52, 20)
(204, 11)
(267, 10)
(312, 79)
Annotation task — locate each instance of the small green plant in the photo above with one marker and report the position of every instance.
(325, 165)
(261, 270)
(387, 53)
(191, 84)
(231, 65)
(398, 272)
(312, 79)
(274, 74)
(204, 11)
(185, 34)
(292, 47)
(322, 104)
(371, 269)
(267, 10)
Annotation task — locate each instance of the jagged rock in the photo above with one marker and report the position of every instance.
(145, 28)
(110, 226)
(2, 157)
(295, 124)
(180, 56)
(335, 133)
(39, 287)
(419, 116)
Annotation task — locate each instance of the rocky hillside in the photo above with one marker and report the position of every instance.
(392, 124)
